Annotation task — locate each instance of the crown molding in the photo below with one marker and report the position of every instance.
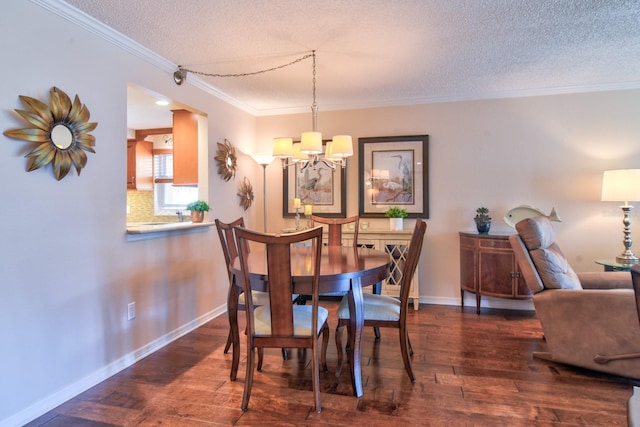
(89, 23)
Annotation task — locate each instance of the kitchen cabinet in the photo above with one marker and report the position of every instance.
(185, 148)
(488, 267)
(139, 165)
(395, 243)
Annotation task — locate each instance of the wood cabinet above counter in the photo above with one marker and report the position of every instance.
(139, 165)
(185, 148)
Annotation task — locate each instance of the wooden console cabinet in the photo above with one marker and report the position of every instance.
(488, 267)
(395, 243)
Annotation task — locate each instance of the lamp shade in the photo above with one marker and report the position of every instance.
(297, 154)
(283, 147)
(311, 143)
(342, 146)
(262, 159)
(621, 185)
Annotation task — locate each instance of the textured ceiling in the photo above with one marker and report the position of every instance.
(386, 52)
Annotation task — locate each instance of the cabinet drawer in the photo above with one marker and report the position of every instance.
(495, 243)
(467, 241)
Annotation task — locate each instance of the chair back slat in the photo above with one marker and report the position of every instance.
(409, 269)
(280, 288)
(227, 239)
(278, 253)
(334, 232)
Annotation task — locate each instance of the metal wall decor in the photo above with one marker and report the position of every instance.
(246, 194)
(60, 130)
(227, 160)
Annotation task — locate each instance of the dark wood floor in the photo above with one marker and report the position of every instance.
(471, 370)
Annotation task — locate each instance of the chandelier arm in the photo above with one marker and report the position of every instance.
(278, 67)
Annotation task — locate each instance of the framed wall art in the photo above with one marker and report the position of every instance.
(393, 171)
(318, 185)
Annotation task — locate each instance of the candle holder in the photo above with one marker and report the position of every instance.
(297, 219)
(308, 210)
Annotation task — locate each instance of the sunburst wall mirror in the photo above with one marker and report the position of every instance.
(245, 192)
(59, 130)
(227, 160)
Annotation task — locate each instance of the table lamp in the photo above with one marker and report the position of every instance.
(623, 185)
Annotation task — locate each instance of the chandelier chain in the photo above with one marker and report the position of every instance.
(278, 67)
(313, 54)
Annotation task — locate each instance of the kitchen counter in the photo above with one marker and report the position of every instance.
(136, 231)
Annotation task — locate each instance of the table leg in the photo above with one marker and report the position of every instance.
(232, 311)
(355, 337)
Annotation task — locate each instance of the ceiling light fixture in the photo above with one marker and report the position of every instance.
(309, 150)
(180, 75)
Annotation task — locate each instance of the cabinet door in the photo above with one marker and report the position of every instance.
(496, 273)
(185, 148)
(139, 165)
(131, 164)
(522, 290)
(468, 266)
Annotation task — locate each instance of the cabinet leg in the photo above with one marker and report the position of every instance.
(462, 297)
(478, 298)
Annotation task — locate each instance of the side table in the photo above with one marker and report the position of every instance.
(610, 264)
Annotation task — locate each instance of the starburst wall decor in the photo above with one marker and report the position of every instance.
(60, 131)
(245, 193)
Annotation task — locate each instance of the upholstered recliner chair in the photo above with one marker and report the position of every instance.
(589, 320)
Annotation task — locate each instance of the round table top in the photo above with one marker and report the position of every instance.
(338, 266)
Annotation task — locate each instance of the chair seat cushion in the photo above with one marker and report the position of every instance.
(259, 298)
(376, 307)
(302, 317)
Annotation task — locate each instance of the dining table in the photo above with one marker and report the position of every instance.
(342, 269)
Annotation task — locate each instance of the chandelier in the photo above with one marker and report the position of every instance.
(309, 151)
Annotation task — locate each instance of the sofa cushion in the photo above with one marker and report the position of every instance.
(536, 232)
(553, 267)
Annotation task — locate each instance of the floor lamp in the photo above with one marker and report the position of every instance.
(623, 185)
(264, 160)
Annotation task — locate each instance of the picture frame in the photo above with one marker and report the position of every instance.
(319, 185)
(393, 171)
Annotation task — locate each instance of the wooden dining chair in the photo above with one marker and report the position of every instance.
(385, 311)
(335, 228)
(230, 252)
(281, 324)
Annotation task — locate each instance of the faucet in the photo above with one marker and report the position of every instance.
(180, 216)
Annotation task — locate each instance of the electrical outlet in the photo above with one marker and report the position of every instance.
(131, 311)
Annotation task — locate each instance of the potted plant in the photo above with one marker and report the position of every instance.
(483, 220)
(198, 208)
(395, 215)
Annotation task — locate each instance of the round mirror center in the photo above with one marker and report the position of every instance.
(61, 136)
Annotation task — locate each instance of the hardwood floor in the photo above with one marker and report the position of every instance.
(472, 371)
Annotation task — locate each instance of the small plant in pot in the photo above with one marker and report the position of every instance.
(198, 208)
(395, 215)
(483, 220)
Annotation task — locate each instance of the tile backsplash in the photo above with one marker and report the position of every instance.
(140, 208)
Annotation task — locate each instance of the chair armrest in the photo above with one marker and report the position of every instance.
(605, 280)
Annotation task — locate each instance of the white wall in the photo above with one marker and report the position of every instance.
(542, 151)
(67, 271)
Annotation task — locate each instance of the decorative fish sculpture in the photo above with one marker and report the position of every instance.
(525, 211)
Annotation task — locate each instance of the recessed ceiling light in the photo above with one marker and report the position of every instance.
(162, 102)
